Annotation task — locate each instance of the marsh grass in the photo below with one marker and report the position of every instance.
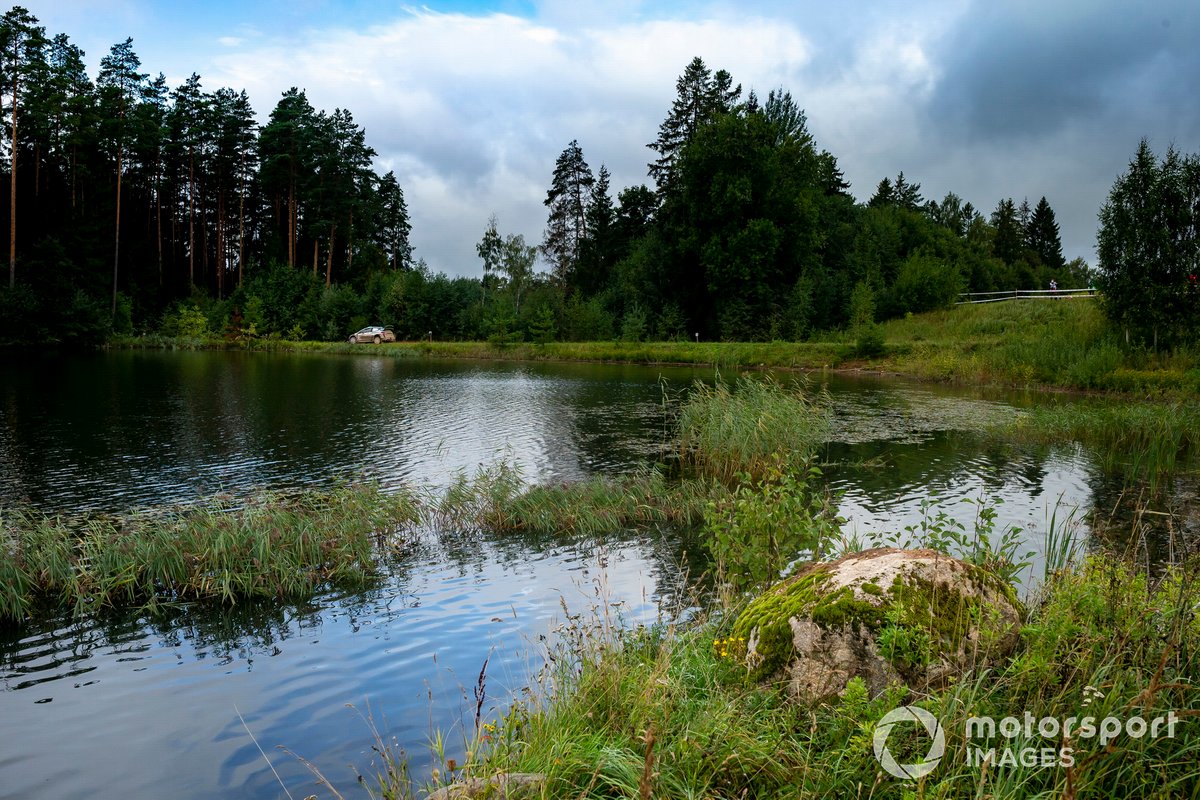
(725, 430)
(268, 545)
(1143, 441)
(669, 712)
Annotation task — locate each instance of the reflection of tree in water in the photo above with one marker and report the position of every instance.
(886, 470)
(676, 561)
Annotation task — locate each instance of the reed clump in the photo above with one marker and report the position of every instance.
(498, 499)
(1144, 440)
(728, 430)
(267, 545)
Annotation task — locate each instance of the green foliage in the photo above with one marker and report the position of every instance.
(633, 325)
(1003, 553)
(924, 283)
(767, 523)
(587, 320)
(186, 321)
(1149, 249)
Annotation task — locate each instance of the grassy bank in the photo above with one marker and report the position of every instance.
(1023, 343)
(1062, 343)
(671, 712)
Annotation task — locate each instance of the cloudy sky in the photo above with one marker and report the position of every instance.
(471, 101)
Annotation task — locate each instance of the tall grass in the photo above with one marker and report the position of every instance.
(668, 712)
(724, 430)
(269, 545)
(1145, 441)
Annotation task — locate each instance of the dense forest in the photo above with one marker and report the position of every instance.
(139, 207)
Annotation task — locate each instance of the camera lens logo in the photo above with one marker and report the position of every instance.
(932, 727)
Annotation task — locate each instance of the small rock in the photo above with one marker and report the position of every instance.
(504, 786)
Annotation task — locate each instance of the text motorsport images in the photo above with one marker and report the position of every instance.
(980, 733)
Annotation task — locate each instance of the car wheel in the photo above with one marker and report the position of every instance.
(351, 340)
(377, 339)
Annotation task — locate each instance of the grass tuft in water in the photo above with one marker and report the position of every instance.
(726, 430)
(268, 545)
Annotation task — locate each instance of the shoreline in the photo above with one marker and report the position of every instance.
(822, 357)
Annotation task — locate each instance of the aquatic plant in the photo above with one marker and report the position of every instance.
(725, 430)
(1140, 440)
(270, 544)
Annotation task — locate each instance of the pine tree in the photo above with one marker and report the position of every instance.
(120, 86)
(1149, 248)
(394, 225)
(787, 118)
(908, 195)
(1010, 238)
(598, 253)
(568, 199)
(286, 147)
(885, 195)
(22, 63)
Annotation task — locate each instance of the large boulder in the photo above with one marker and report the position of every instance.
(885, 616)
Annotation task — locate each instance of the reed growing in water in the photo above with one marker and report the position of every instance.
(267, 545)
(726, 430)
(1145, 441)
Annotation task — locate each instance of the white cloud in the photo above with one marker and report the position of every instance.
(473, 111)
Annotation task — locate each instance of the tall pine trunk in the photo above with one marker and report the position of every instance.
(12, 211)
(329, 257)
(117, 236)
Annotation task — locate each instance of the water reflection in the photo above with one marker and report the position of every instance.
(148, 706)
(166, 691)
(113, 430)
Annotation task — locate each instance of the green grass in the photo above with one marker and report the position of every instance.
(668, 712)
(268, 545)
(729, 430)
(1023, 343)
(1033, 343)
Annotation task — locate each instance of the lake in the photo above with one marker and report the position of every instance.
(127, 705)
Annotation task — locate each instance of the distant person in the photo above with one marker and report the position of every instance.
(1054, 286)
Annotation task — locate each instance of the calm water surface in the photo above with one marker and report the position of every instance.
(129, 706)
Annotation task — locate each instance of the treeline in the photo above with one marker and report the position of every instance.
(751, 232)
(135, 206)
(126, 195)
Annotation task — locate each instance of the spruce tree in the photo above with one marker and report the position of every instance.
(1043, 236)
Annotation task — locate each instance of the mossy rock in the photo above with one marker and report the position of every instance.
(885, 615)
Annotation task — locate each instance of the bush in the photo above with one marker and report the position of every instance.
(924, 283)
